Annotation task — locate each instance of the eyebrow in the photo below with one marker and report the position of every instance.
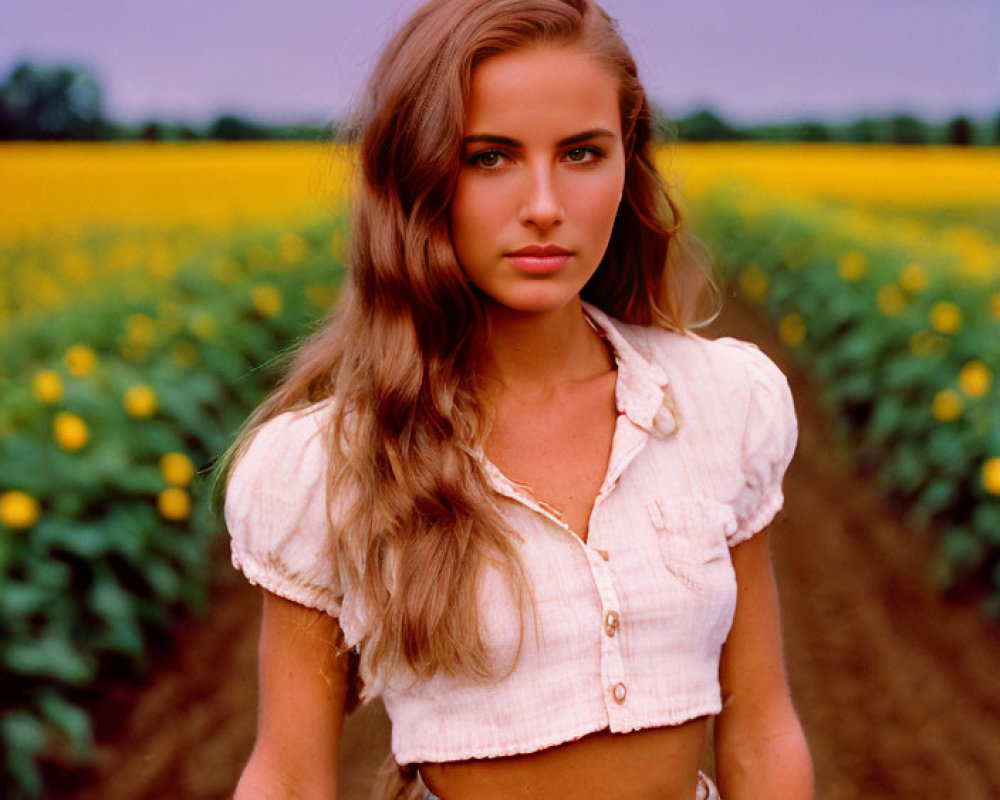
(576, 138)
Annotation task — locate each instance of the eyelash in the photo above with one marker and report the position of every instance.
(597, 153)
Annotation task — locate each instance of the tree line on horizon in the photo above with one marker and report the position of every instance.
(66, 103)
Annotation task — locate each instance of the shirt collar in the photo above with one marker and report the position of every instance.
(641, 392)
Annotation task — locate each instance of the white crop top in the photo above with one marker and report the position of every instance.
(632, 622)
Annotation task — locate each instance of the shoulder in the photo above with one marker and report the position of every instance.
(284, 447)
(276, 509)
(283, 461)
(725, 362)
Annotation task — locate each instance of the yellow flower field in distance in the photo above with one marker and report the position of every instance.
(68, 190)
(903, 178)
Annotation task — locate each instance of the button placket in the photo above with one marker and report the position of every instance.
(612, 663)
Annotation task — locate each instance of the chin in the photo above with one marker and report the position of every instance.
(532, 300)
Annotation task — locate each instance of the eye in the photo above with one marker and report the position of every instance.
(488, 159)
(579, 155)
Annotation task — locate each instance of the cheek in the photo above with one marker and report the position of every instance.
(599, 205)
(471, 212)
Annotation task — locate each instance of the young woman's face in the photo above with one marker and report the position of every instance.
(543, 166)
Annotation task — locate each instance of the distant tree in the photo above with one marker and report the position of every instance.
(959, 131)
(151, 131)
(907, 129)
(61, 102)
(232, 128)
(706, 126)
(812, 131)
(996, 129)
(865, 130)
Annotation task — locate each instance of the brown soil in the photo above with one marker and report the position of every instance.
(897, 688)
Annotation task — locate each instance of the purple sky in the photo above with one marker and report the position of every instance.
(306, 59)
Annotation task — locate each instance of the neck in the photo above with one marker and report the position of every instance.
(535, 354)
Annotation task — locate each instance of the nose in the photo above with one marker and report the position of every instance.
(542, 205)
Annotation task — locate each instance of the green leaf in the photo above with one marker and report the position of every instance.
(962, 547)
(49, 656)
(20, 599)
(986, 522)
(24, 738)
(108, 599)
(70, 720)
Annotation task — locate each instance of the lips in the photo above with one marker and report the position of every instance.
(538, 260)
(540, 251)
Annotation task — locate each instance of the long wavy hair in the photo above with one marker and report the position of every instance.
(401, 356)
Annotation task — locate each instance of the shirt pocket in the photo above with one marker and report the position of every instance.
(691, 535)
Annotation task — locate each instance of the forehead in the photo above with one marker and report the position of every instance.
(541, 90)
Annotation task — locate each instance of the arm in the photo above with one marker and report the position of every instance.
(303, 684)
(760, 750)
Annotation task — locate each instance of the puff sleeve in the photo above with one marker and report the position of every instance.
(770, 435)
(276, 514)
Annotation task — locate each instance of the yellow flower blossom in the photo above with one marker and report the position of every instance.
(267, 299)
(991, 475)
(947, 405)
(140, 329)
(80, 360)
(177, 469)
(852, 266)
(70, 431)
(203, 325)
(140, 401)
(914, 278)
(946, 317)
(974, 379)
(47, 386)
(18, 510)
(792, 330)
(754, 282)
(890, 300)
(76, 266)
(174, 504)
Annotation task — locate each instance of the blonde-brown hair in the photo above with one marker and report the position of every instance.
(401, 357)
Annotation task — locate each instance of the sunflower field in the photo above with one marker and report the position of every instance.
(881, 271)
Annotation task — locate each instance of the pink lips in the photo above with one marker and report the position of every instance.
(538, 260)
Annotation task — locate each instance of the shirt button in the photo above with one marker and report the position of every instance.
(611, 623)
(618, 693)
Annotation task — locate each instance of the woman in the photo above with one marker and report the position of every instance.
(507, 475)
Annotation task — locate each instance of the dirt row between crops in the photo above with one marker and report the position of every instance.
(897, 688)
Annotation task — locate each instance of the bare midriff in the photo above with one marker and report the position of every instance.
(651, 764)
